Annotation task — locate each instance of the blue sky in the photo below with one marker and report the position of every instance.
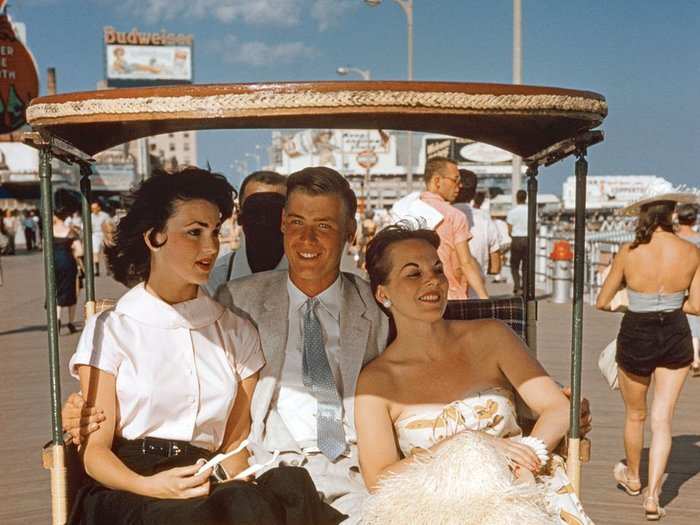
(643, 55)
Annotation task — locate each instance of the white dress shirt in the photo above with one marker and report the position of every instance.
(177, 367)
(294, 402)
(517, 218)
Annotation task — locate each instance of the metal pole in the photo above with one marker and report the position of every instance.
(407, 6)
(531, 302)
(517, 79)
(86, 197)
(58, 470)
(573, 462)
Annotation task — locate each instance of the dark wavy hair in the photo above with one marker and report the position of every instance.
(657, 214)
(151, 204)
(378, 263)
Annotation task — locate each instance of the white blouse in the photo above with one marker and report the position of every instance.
(177, 367)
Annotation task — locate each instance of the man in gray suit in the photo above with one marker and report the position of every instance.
(312, 307)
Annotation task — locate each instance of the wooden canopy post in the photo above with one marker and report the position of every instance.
(86, 197)
(59, 507)
(573, 461)
(530, 301)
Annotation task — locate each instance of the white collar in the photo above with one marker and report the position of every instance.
(150, 310)
(329, 298)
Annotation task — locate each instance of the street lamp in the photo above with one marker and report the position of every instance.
(364, 73)
(407, 6)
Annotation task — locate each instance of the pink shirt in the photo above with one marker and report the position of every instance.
(452, 230)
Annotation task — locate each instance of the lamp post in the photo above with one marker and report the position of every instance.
(407, 6)
(366, 74)
(517, 79)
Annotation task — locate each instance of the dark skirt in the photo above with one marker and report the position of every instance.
(649, 340)
(283, 495)
(66, 271)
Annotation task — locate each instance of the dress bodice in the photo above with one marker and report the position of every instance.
(491, 410)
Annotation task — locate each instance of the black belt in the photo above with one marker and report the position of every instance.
(164, 447)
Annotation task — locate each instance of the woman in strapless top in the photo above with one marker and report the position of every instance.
(658, 269)
(438, 380)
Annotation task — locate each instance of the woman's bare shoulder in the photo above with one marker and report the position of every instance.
(377, 376)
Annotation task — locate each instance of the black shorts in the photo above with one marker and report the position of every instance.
(648, 340)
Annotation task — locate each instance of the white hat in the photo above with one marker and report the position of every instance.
(681, 196)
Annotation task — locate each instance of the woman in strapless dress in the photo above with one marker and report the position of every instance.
(655, 341)
(440, 380)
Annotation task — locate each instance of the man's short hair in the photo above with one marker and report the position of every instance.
(521, 197)
(435, 166)
(479, 198)
(320, 180)
(468, 188)
(271, 178)
(687, 214)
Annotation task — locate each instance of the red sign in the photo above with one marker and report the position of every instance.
(367, 158)
(19, 82)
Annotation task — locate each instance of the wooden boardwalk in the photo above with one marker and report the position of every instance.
(25, 416)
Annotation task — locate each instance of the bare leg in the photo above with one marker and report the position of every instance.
(696, 352)
(71, 314)
(667, 388)
(634, 393)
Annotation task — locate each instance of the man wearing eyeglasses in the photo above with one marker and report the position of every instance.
(442, 184)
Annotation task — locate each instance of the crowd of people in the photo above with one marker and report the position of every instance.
(332, 396)
(296, 359)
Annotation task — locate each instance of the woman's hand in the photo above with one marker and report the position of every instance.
(521, 455)
(178, 483)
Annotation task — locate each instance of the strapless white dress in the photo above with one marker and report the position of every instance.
(491, 411)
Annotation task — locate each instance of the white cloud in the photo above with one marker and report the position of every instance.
(329, 12)
(282, 13)
(263, 12)
(261, 54)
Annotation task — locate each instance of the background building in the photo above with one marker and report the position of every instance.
(375, 161)
(613, 191)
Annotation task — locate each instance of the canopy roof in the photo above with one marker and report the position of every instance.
(522, 119)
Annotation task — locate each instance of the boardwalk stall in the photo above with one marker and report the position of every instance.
(540, 124)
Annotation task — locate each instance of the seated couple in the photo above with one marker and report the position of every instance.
(171, 377)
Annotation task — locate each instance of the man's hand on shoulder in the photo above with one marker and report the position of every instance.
(80, 419)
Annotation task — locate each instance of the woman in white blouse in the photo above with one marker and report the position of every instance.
(174, 373)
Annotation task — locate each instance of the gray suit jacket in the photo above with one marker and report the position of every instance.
(263, 299)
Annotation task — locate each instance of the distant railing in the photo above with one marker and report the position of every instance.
(601, 248)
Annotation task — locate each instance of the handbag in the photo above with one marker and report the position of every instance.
(608, 365)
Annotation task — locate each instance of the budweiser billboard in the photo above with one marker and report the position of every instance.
(137, 58)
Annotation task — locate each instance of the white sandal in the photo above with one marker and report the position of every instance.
(623, 481)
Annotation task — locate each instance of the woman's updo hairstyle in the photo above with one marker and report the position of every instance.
(657, 214)
(150, 205)
(378, 260)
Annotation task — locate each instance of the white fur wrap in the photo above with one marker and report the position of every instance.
(466, 482)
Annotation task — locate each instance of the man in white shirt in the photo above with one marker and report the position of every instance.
(310, 426)
(98, 219)
(517, 229)
(484, 244)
